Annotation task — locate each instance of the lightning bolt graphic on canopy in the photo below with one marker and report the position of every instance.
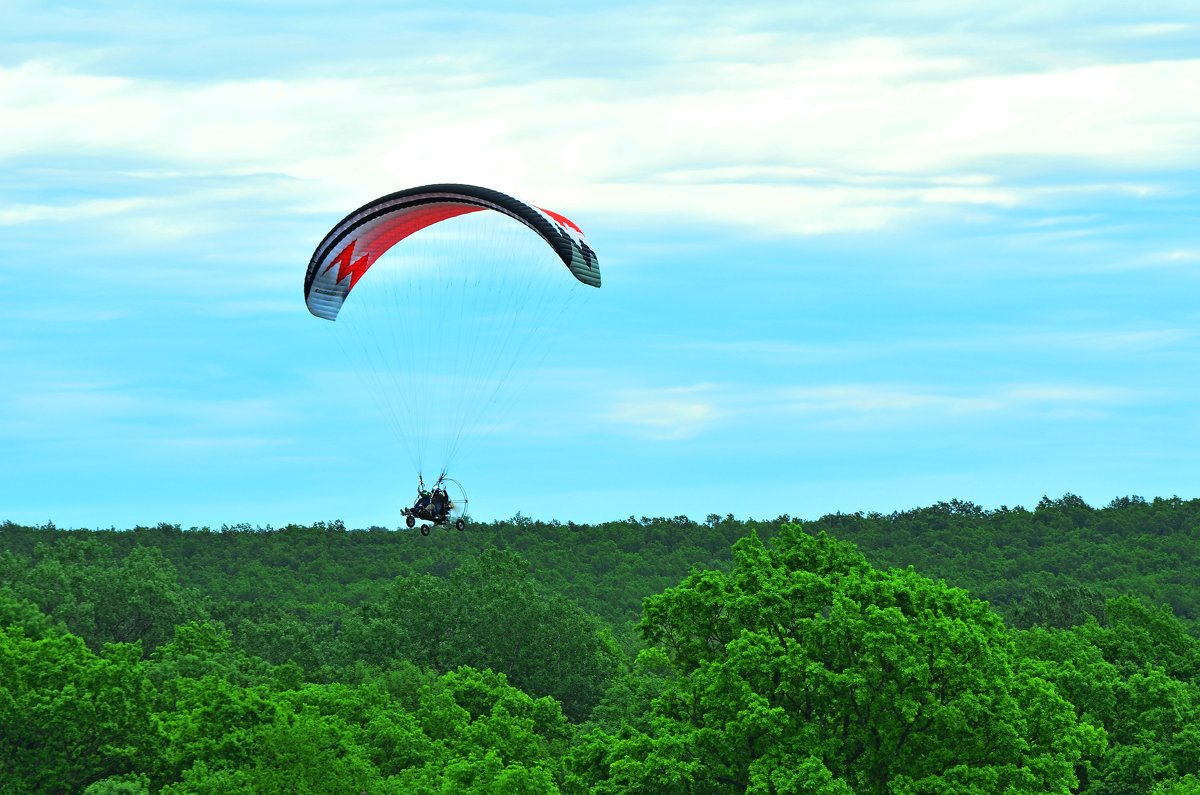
(355, 269)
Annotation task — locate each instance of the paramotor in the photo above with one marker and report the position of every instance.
(470, 293)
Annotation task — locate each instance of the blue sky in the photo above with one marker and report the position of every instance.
(856, 257)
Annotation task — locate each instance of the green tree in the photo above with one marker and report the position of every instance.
(487, 737)
(16, 611)
(105, 599)
(1188, 785)
(306, 751)
(805, 667)
(490, 613)
(127, 784)
(70, 717)
(1133, 678)
(1062, 607)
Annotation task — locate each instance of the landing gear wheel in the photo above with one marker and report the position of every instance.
(408, 520)
(461, 524)
(424, 529)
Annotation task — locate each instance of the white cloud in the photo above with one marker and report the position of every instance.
(668, 414)
(883, 405)
(124, 413)
(1152, 29)
(830, 136)
(1001, 198)
(1108, 341)
(979, 341)
(850, 400)
(15, 214)
(686, 412)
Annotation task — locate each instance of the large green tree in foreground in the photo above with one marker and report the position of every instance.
(804, 670)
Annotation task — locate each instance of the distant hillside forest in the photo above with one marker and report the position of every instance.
(947, 649)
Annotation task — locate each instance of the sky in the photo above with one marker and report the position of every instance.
(856, 257)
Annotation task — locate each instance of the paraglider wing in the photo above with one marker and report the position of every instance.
(354, 245)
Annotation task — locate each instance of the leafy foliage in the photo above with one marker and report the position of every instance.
(875, 681)
(647, 655)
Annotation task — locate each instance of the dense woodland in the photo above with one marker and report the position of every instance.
(949, 649)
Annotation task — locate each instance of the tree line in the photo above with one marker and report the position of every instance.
(948, 649)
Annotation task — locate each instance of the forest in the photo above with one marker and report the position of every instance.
(946, 649)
